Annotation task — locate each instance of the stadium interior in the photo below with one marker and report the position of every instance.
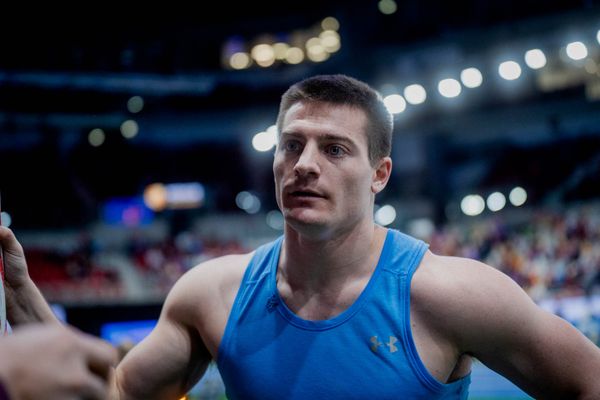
(136, 144)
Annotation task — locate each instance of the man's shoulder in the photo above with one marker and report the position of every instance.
(460, 294)
(211, 281)
(219, 271)
(452, 279)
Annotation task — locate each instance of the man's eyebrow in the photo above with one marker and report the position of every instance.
(289, 133)
(329, 137)
(338, 138)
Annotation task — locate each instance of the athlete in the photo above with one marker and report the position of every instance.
(340, 307)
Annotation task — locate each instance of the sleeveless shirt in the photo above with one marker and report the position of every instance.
(367, 351)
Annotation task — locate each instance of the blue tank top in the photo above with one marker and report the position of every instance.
(366, 352)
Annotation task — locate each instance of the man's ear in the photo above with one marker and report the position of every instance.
(381, 174)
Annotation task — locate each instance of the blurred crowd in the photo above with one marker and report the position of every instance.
(550, 253)
(163, 262)
(547, 252)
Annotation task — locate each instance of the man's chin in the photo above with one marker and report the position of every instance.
(305, 222)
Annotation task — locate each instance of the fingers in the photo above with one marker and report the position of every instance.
(58, 362)
(9, 242)
(93, 388)
(100, 356)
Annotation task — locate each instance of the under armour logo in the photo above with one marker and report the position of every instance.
(391, 344)
(272, 302)
(375, 344)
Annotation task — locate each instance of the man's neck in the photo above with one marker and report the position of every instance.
(311, 265)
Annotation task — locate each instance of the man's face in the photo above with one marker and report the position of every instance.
(323, 177)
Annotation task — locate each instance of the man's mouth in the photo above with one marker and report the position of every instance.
(304, 193)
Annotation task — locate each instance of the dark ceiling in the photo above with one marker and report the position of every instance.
(56, 65)
(85, 60)
(189, 39)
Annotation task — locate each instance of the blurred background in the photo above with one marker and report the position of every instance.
(135, 144)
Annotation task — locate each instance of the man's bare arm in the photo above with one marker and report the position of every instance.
(175, 355)
(172, 358)
(499, 324)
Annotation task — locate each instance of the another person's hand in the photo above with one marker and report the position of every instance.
(15, 266)
(24, 301)
(54, 362)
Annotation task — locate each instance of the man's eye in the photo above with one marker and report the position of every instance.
(335, 150)
(292, 145)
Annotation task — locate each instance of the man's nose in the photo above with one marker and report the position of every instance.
(308, 162)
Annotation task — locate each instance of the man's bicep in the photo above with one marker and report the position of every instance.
(172, 357)
(175, 355)
(540, 352)
(548, 358)
(165, 364)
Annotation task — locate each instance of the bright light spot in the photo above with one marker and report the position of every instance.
(471, 77)
(385, 215)
(263, 54)
(449, 87)
(315, 50)
(129, 129)
(415, 94)
(598, 36)
(330, 40)
(280, 50)
(535, 58)
(275, 220)
(185, 195)
(273, 134)
(294, 55)
(496, 201)
(317, 54)
(266, 63)
(509, 70)
(577, 50)
(248, 202)
(135, 104)
(96, 137)
(273, 131)
(313, 41)
(472, 205)
(395, 103)
(387, 7)
(155, 196)
(242, 198)
(240, 60)
(266, 140)
(330, 23)
(261, 142)
(6, 219)
(517, 196)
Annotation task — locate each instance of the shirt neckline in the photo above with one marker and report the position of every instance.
(319, 325)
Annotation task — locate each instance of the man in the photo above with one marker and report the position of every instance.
(339, 307)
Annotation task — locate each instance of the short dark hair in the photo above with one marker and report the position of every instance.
(342, 89)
